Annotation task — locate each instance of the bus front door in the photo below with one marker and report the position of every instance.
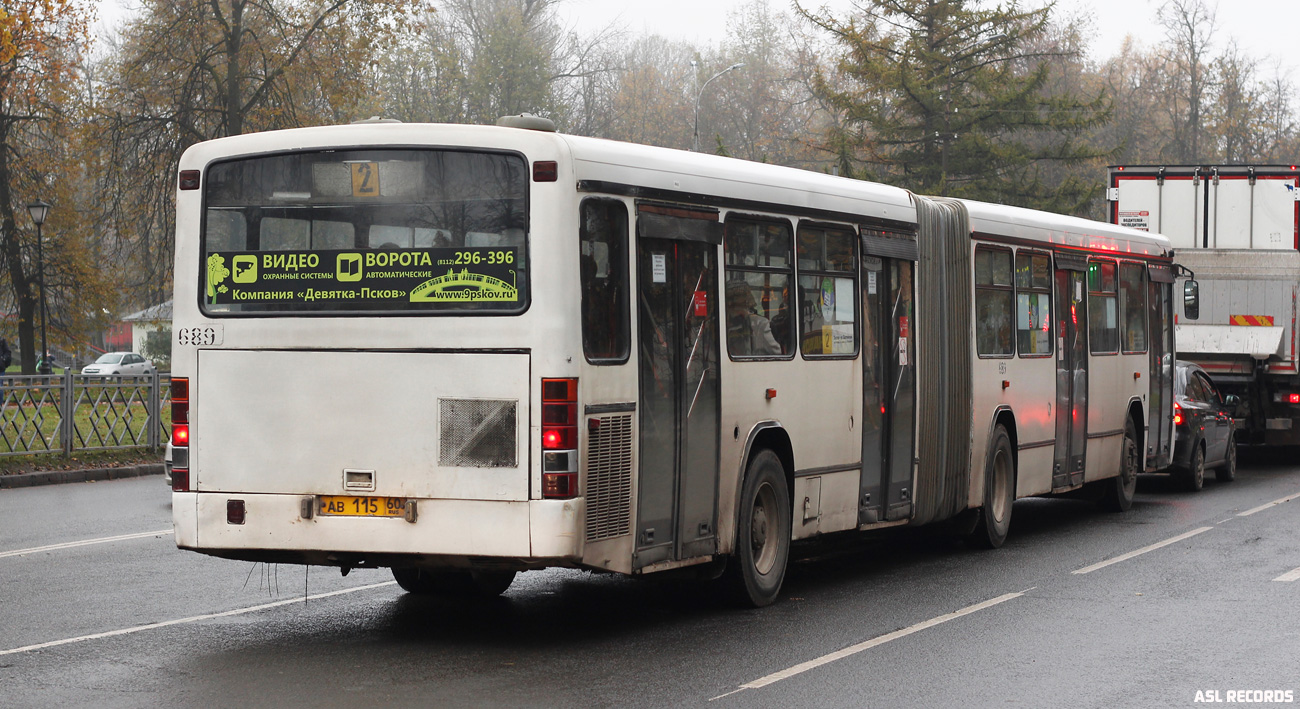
(1071, 377)
(679, 403)
(889, 390)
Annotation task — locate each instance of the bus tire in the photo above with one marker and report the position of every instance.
(1227, 472)
(1194, 476)
(1119, 491)
(999, 493)
(763, 533)
(456, 583)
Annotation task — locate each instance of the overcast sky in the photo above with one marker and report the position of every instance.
(1265, 28)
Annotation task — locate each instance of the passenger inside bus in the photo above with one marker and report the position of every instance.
(748, 333)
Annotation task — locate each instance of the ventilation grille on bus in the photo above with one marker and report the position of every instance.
(609, 478)
(477, 433)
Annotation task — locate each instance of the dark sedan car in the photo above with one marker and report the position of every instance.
(1204, 429)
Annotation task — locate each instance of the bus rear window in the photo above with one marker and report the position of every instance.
(366, 231)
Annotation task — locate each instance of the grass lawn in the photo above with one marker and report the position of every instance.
(14, 464)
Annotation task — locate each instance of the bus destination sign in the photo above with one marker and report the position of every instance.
(447, 275)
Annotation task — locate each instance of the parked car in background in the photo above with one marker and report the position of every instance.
(1205, 433)
(167, 464)
(118, 363)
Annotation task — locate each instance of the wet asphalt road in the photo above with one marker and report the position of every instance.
(864, 621)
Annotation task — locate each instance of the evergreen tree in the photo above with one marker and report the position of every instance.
(947, 98)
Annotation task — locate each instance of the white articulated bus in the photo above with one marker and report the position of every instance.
(466, 351)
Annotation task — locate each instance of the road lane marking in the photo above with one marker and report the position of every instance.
(83, 542)
(1267, 505)
(1143, 550)
(1293, 575)
(867, 645)
(192, 619)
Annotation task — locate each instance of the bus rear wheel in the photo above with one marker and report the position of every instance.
(458, 583)
(1118, 495)
(757, 566)
(999, 493)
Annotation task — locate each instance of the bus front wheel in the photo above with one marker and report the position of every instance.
(999, 493)
(763, 532)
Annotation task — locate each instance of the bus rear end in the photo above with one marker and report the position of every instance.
(354, 383)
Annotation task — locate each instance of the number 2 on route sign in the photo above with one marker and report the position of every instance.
(365, 179)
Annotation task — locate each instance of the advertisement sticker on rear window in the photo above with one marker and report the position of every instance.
(470, 274)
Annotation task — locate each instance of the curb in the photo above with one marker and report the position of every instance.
(58, 477)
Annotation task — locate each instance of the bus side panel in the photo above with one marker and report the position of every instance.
(815, 405)
(1035, 423)
(1105, 415)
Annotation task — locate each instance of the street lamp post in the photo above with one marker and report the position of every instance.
(39, 210)
(695, 139)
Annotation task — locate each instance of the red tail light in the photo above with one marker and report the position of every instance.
(559, 438)
(1293, 398)
(180, 433)
(180, 400)
(235, 512)
(1178, 414)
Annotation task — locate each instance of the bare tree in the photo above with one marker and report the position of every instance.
(1189, 28)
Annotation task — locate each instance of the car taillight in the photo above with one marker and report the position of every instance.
(1178, 414)
(1293, 398)
(559, 438)
(180, 434)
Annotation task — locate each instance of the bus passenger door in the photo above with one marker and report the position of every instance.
(1071, 374)
(680, 418)
(1160, 339)
(889, 391)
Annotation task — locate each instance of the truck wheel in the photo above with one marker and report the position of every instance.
(1228, 471)
(999, 493)
(757, 566)
(1118, 495)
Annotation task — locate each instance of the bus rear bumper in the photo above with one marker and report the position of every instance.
(451, 530)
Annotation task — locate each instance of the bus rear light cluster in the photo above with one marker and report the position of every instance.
(180, 434)
(559, 438)
(1178, 414)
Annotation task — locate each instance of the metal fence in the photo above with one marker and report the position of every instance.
(62, 413)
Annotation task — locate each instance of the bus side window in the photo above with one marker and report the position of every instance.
(1033, 304)
(757, 294)
(1103, 310)
(1134, 306)
(602, 259)
(828, 291)
(993, 310)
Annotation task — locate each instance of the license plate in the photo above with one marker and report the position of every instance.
(349, 506)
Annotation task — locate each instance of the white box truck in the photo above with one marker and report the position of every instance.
(1237, 228)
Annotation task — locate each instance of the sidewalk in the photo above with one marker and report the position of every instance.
(57, 477)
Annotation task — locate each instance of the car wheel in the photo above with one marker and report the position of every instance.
(1119, 491)
(757, 565)
(999, 493)
(1194, 477)
(1227, 472)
